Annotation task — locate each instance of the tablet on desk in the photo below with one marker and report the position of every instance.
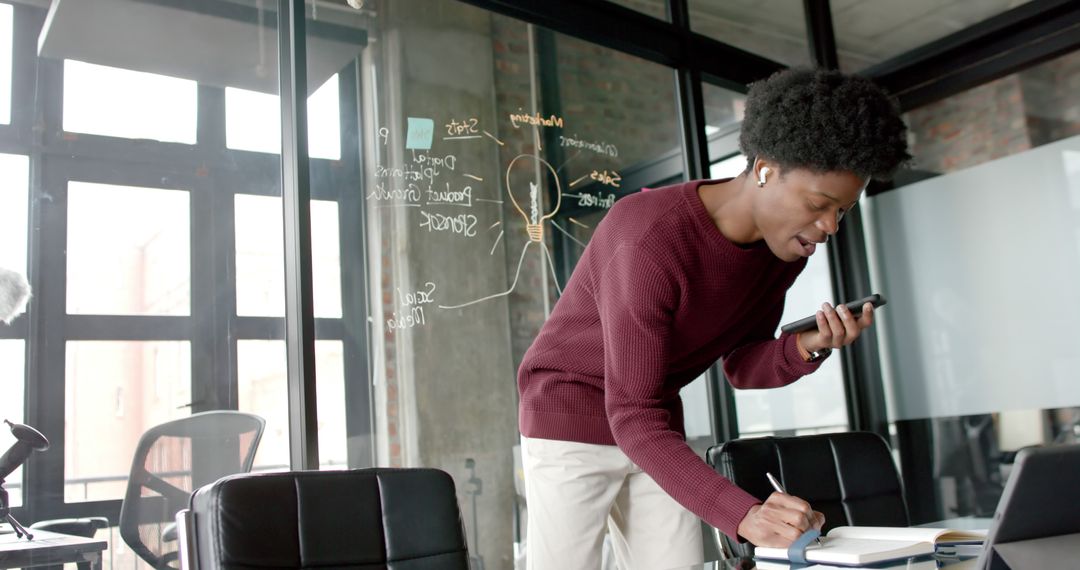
(1041, 500)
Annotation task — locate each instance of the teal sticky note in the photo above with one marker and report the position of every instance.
(421, 131)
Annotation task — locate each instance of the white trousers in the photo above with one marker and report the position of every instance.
(576, 491)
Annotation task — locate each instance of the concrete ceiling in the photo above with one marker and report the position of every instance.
(867, 31)
(215, 42)
(220, 42)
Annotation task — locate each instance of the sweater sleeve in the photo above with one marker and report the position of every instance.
(762, 361)
(637, 301)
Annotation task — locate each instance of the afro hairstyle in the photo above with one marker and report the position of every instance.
(824, 121)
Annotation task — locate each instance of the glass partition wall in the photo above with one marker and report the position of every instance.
(982, 230)
(492, 150)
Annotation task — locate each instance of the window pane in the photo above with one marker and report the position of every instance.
(775, 29)
(654, 8)
(728, 168)
(817, 401)
(324, 121)
(5, 62)
(696, 418)
(12, 404)
(723, 110)
(115, 391)
(872, 31)
(261, 370)
(260, 270)
(251, 121)
(14, 201)
(101, 100)
(129, 250)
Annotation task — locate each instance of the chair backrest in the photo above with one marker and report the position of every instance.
(850, 477)
(395, 519)
(172, 460)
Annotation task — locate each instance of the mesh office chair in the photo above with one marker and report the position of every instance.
(394, 519)
(172, 460)
(849, 477)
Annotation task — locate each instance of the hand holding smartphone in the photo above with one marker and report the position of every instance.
(854, 306)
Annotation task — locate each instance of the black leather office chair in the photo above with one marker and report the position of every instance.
(849, 477)
(396, 519)
(171, 461)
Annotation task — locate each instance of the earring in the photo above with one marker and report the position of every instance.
(761, 177)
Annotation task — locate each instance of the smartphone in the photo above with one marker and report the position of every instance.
(854, 306)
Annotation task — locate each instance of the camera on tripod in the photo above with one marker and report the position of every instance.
(27, 441)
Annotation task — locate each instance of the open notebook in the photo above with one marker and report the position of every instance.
(857, 545)
(924, 563)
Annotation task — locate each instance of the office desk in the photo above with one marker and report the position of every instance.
(940, 560)
(748, 564)
(49, 548)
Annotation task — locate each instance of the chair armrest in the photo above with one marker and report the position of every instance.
(185, 531)
(84, 527)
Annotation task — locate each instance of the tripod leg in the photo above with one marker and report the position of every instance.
(19, 529)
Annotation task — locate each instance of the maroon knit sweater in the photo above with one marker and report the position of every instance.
(658, 296)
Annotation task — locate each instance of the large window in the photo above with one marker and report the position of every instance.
(153, 237)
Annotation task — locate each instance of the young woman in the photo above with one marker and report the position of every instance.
(672, 280)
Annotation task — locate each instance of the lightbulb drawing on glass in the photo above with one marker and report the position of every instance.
(523, 175)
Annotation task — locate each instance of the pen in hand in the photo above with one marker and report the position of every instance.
(780, 489)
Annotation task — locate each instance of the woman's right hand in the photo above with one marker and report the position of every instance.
(779, 521)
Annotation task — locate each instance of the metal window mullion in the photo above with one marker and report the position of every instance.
(550, 103)
(848, 267)
(296, 197)
(688, 90)
(47, 342)
(626, 30)
(819, 34)
(355, 310)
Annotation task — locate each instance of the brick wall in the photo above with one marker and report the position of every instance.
(976, 126)
(605, 97)
(1001, 118)
(1052, 99)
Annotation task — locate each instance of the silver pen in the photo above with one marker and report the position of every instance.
(780, 489)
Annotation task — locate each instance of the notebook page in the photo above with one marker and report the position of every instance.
(839, 550)
(920, 534)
